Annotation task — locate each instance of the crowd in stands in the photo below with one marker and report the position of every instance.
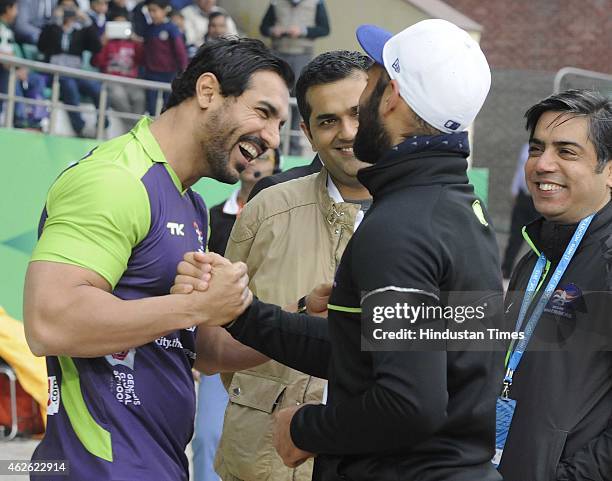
(151, 40)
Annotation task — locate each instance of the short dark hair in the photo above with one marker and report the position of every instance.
(117, 12)
(233, 61)
(580, 103)
(159, 3)
(5, 5)
(216, 14)
(327, 68)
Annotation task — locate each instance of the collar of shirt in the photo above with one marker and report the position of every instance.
(336, 196)
(231, 206)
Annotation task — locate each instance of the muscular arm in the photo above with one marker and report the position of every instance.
(69, 310)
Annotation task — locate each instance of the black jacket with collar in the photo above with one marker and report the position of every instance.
(418, 416)
(562, 426)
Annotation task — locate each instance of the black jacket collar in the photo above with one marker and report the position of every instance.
(396, 170)
(552, 238)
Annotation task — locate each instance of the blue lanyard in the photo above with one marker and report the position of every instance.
(532, 288)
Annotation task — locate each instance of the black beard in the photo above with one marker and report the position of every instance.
(371, 140)
(215, 150)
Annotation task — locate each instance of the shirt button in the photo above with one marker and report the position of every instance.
(236, 391)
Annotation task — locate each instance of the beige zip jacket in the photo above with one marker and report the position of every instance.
(291, 236)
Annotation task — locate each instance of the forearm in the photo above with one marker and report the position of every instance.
(25, 30)
(218, 351)
(295, 340)
(90, 322)
(268, 21)
(398, 411)
(321, 27)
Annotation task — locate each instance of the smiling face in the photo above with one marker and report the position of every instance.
(333, 124)
(239, 129)
(561, 171)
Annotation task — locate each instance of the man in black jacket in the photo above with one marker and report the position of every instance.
(562, 425)
(400, 410)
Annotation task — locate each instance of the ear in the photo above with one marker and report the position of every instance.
(391, 98)
(207, 88)
(608, 173)
(308, 135)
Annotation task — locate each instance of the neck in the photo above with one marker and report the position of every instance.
(245, 190)
(181, 149)
(352, 192)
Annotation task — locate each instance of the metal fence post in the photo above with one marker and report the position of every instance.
(11, 91)
(102, 111)
(55, 94)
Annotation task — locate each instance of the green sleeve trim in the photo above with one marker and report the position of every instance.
(351, 310)
(94, 437)
(529, 241)
(97, 213)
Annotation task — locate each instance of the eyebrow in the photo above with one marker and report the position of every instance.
(273, 110)
(353, 110)
(326, 116)
(558, 143)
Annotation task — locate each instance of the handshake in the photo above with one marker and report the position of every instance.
(217, 290)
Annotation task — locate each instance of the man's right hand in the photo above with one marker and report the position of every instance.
(218, 289)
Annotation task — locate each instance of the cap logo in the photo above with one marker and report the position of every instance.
(451, 124)
(396, 65)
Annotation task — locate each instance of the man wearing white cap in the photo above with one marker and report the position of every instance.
(399, 409)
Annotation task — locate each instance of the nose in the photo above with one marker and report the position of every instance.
(271, 135)
(348, 129)
(545, 162)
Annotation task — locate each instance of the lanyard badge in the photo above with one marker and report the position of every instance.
(506, 406)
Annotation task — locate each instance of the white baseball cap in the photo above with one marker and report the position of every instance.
(442, 74)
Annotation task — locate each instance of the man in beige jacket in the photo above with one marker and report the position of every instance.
(292, 237)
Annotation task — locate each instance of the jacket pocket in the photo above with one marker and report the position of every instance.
(255, 392)
(246, 450)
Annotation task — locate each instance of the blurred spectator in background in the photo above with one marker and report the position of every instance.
(32, 17)
(523, 213)
(217, 26)
(63, 44)
(164, 50)
(122, 55)
(212, 396)
(293, 25)
(28, 84)
(196, 22)
(119, 8)
(176, 17)
(140, 18)
(97, 13)
(223, 216)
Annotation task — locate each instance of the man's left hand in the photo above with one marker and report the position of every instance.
(291, 455)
